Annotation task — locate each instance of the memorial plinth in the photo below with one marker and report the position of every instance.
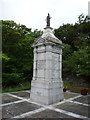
(47, 84)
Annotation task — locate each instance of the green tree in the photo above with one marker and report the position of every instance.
(17, 53)
(76, 39)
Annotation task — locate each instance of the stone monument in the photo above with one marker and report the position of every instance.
(47, 84)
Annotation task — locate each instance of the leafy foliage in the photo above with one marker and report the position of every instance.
(76, 39)
(17, 53)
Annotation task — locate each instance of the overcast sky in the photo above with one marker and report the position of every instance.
(32, 13)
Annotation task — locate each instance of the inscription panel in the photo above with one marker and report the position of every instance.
(41, 64)
(55, 61)
(55, 65)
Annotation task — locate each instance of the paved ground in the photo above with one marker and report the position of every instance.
(18, 105)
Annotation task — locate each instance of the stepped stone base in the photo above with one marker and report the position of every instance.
(46, 93)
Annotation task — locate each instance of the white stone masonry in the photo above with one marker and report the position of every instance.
(47, 84)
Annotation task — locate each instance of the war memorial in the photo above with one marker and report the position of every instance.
(46, 99)
(47, 84)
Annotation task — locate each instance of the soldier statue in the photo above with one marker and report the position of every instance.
(48, 20)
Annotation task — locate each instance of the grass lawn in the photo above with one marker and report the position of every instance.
(27, 86)
(21, 87)
(73, 88)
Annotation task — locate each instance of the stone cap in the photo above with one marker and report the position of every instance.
(47, 37)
